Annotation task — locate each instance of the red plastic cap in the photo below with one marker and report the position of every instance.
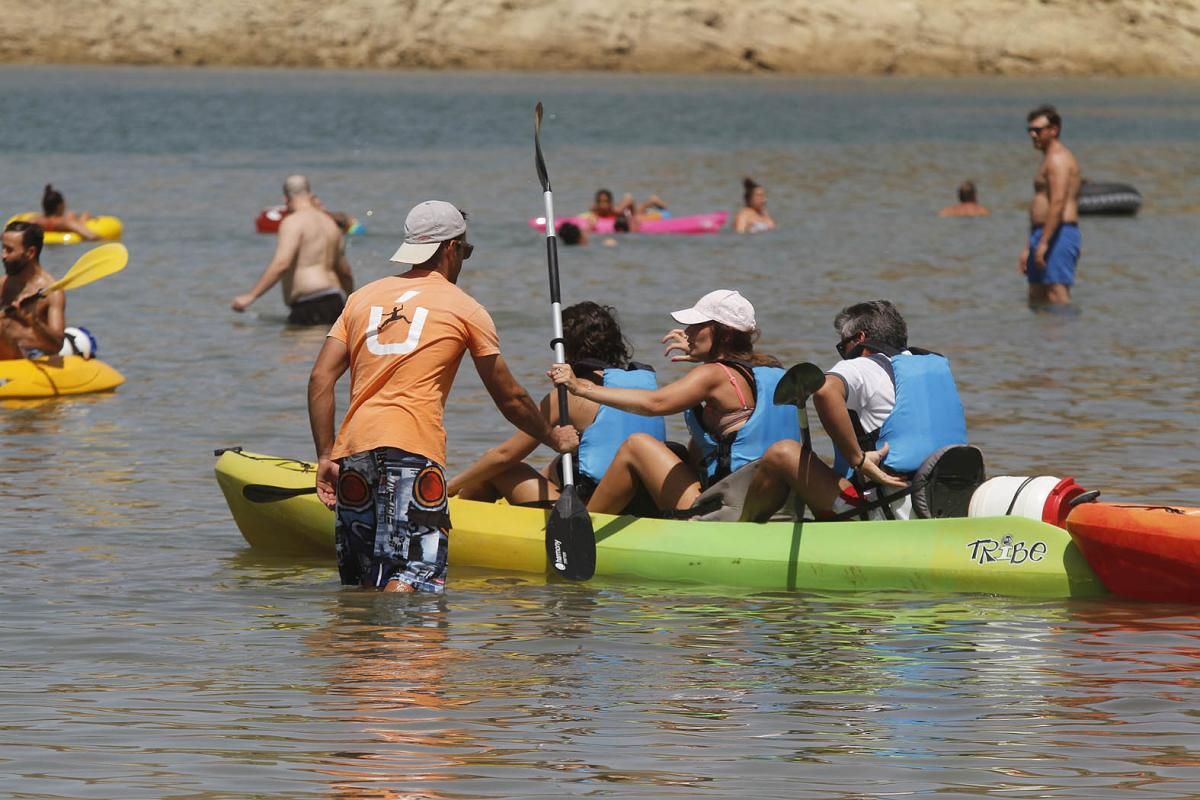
(1058, 502)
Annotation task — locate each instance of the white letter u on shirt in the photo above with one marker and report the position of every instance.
(414, 330)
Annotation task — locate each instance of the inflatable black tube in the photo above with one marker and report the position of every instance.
(1113, 199)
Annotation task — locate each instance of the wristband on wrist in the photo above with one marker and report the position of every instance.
(861, 461)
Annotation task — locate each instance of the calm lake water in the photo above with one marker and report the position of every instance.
(146, 653)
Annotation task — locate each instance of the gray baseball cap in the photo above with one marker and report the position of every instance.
(427, 226)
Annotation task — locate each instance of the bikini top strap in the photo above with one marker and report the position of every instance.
(734, 384)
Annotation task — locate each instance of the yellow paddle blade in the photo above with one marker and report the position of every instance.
(92, 266)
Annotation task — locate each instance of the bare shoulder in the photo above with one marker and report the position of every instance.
(1061, 157)
(710, 373)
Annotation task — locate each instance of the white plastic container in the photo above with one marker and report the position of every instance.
(1025, 496)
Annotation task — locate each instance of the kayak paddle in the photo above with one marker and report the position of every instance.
(91, 266)
(570, 540)
(798, 384)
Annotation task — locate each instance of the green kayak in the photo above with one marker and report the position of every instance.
(276, 511)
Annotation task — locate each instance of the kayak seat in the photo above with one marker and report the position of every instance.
(723, 501)
(944, 483)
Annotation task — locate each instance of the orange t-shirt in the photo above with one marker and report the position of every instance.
(406, 336)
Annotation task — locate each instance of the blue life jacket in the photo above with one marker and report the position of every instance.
(767, 425)
(928, 414)
(611, 427)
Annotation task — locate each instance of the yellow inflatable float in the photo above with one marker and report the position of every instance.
(55, 376)
(105, 227)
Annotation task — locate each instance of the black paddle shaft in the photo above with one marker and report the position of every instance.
(560, 354)
(557, 343)
(570, 539)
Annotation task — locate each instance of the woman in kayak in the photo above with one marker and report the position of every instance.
(753, 216)
(56, 217)
(600, 355)
(727, 400)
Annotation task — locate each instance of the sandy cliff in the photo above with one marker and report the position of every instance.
(911, 37)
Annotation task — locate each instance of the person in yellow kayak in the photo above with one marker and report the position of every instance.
(310, 261)
(30, 326)
(727, 400)
(56, 217)
(599, 353)
(402, 338)
(886, 406)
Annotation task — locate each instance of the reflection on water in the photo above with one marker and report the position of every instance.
(147, 655)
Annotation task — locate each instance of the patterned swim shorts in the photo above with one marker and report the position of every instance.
(392, 520)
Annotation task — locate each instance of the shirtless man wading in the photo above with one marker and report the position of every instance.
(1049, 258)
(309, 259)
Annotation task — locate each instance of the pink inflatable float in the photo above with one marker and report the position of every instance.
(692, 224)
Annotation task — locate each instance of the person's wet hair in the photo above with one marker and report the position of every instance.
(605, 193)
(749, 185)
(569, 233)
(52, 202)
(31, 235)
(966, 192)
(592, 331)
(879, 319)
(1049, 112)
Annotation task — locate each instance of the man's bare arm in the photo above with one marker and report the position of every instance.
(286, 250)
(332, 362)
(518, 407)
(341, 266)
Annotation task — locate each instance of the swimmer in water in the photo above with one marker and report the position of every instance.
(56, 217)
(753, 216)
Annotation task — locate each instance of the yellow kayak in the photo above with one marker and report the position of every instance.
(274, 505)
(54, 376)
(106, 227)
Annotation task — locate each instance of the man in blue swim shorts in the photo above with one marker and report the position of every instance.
(1048, 260)
(1059, 258)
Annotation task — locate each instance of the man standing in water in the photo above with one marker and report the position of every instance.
(28, 327)
(967, 205)
(402, 338)
(309, 258)
(1049, 258)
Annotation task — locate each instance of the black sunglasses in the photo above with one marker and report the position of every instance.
(1037, 129)
(841, 346)
(466, 247)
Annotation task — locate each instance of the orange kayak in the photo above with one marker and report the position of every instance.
(1141, 552)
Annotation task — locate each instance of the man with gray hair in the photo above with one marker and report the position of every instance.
(309, 260)
(886, 406)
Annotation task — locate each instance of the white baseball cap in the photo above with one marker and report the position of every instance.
(726, 306)
(427, 226)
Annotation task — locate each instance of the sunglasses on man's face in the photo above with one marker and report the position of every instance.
(844, 344)
(466, 247)
(1036, 130)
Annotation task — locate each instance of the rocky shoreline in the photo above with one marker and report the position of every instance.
(818, 37)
